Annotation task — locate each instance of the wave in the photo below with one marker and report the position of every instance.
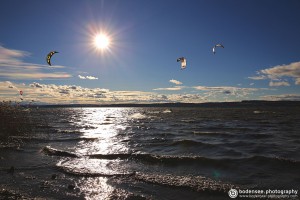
(75, 172)
(213, 133)
(167, 111)
(47, 139)
(181, 160)
(55, 152)
(190, 121)
(68, 131)
(257, 135)
(137, 116)
(6, 193)
(160, 112)
(203, 161)
(151, 158)
(276, 161)
(259, 111)
(189, 143)
(196, 183)
(106, 123)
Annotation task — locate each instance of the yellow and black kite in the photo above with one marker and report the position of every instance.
(49, 56)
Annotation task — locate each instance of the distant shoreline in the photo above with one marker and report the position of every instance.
(248, 103)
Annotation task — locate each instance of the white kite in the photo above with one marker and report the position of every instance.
(183, 62)
(217, 45)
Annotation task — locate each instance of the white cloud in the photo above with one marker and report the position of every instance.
(290, 70)
(276, 73)
(221, 93)
(53, 94)
(282, 97)
(81, 77)
(34, 84)
(278, 83)
(188, 98)
(66, 94)
(175, 82)
(13, 67)
(88, 77)
(176, 88)
(224, 88)
(260, 77)
(91, 77)
(297, 82)
(11, 55)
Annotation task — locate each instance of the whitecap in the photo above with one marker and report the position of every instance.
(167, 111)
(137, 116)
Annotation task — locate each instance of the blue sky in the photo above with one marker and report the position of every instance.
(260, 59)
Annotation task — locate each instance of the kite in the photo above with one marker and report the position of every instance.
(49, 56)
(21, 95)
(183, 62)
(217, 45)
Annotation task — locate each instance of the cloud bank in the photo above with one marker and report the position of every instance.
(74, 94)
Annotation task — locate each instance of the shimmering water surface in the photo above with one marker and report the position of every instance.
(153, 153)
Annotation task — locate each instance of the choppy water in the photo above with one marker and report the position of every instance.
(153, 153)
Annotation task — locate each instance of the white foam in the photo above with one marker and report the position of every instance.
(167, 111)
(137, 116)
(258, 112)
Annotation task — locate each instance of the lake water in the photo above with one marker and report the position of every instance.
(152, 152)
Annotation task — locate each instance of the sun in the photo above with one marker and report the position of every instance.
(101, 41)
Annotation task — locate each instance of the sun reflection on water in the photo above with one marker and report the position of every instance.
(107, 127)
(95, 188)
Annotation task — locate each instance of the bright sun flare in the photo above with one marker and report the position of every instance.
(101, 41)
